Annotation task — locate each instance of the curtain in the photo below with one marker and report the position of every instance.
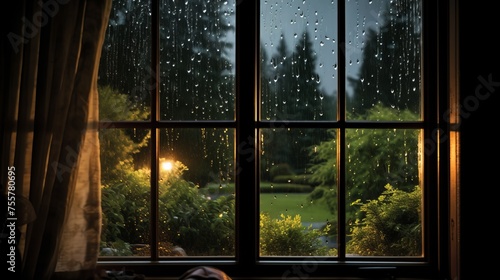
(49, 64)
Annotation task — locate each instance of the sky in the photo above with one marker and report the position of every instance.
(319, 17)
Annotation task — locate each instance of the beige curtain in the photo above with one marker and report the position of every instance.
(49, 58)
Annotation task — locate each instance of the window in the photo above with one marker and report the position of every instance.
(247, 135)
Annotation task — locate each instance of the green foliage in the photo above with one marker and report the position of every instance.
(113, 221)
(282, 169)
(116, 248)
(301, 179)
(324, 161)
(199, 225)
(118, 146)
(217, 189)
(283, 188)
(288, 237)
(392, 225)
(125, 206)
(376, 157)
(381, 156)
(115, 106)
(325, 194)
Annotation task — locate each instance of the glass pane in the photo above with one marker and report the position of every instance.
(196, 198)
(384, 209)
(383, 50)
(125, 179)
(197, 60)
(297, 192)
(298, 60)
(125, 71)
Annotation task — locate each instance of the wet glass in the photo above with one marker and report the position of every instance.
(196, 192)
(383, 192)
(298, 195)
(125, 65)
(383, 59)
(197, 60)
(298, 60)
(125, 192)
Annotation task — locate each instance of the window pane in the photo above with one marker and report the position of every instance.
(125, 179)
(298, 60)
(383, 192)
(125, 71)
(197, 192)
(197, 60)
(383, 50)
(297, 192)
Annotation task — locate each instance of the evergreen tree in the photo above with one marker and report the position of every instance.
(277, 101)
(390, 70)
(197, 83)
(125, 63)
(293, 95)
(276, 75)
(305, 92)
(305, 95)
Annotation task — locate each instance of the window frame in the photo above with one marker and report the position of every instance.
(247, 263)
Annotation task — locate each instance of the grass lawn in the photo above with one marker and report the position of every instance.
(285, 199)
(293, 204)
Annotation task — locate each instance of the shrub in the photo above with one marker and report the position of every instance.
(288, 237)
(301, 179)
(284, 188)
(116, 248)
(280, 170)
(199, 225)
(391, 226)
(125, 207)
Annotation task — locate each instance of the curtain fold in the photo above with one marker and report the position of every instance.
(50, 132)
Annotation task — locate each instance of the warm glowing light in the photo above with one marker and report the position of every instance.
(167, 165)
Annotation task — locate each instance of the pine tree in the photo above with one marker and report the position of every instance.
(390, 70)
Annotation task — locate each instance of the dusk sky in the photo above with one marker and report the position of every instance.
(320, 19)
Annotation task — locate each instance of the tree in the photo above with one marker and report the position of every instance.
(375, 157)
(196, 75)
(197, 84)
(293, 95)
(194, 60)
(304, 93)
(118, 146)
(390, 70)
(125, 63)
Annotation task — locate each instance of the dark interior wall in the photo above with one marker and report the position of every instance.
(480, 166)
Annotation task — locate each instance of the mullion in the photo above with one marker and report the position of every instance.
(247, 216)
(341, 124)
(154, 118)
(341, 100)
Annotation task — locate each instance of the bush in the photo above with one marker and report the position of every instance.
(116, 248)
(288, 237)
(284, 188)
(391, 227)
(280, 170)
(199, 225)
(125, 207)
(325, 194)
(302, 179)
